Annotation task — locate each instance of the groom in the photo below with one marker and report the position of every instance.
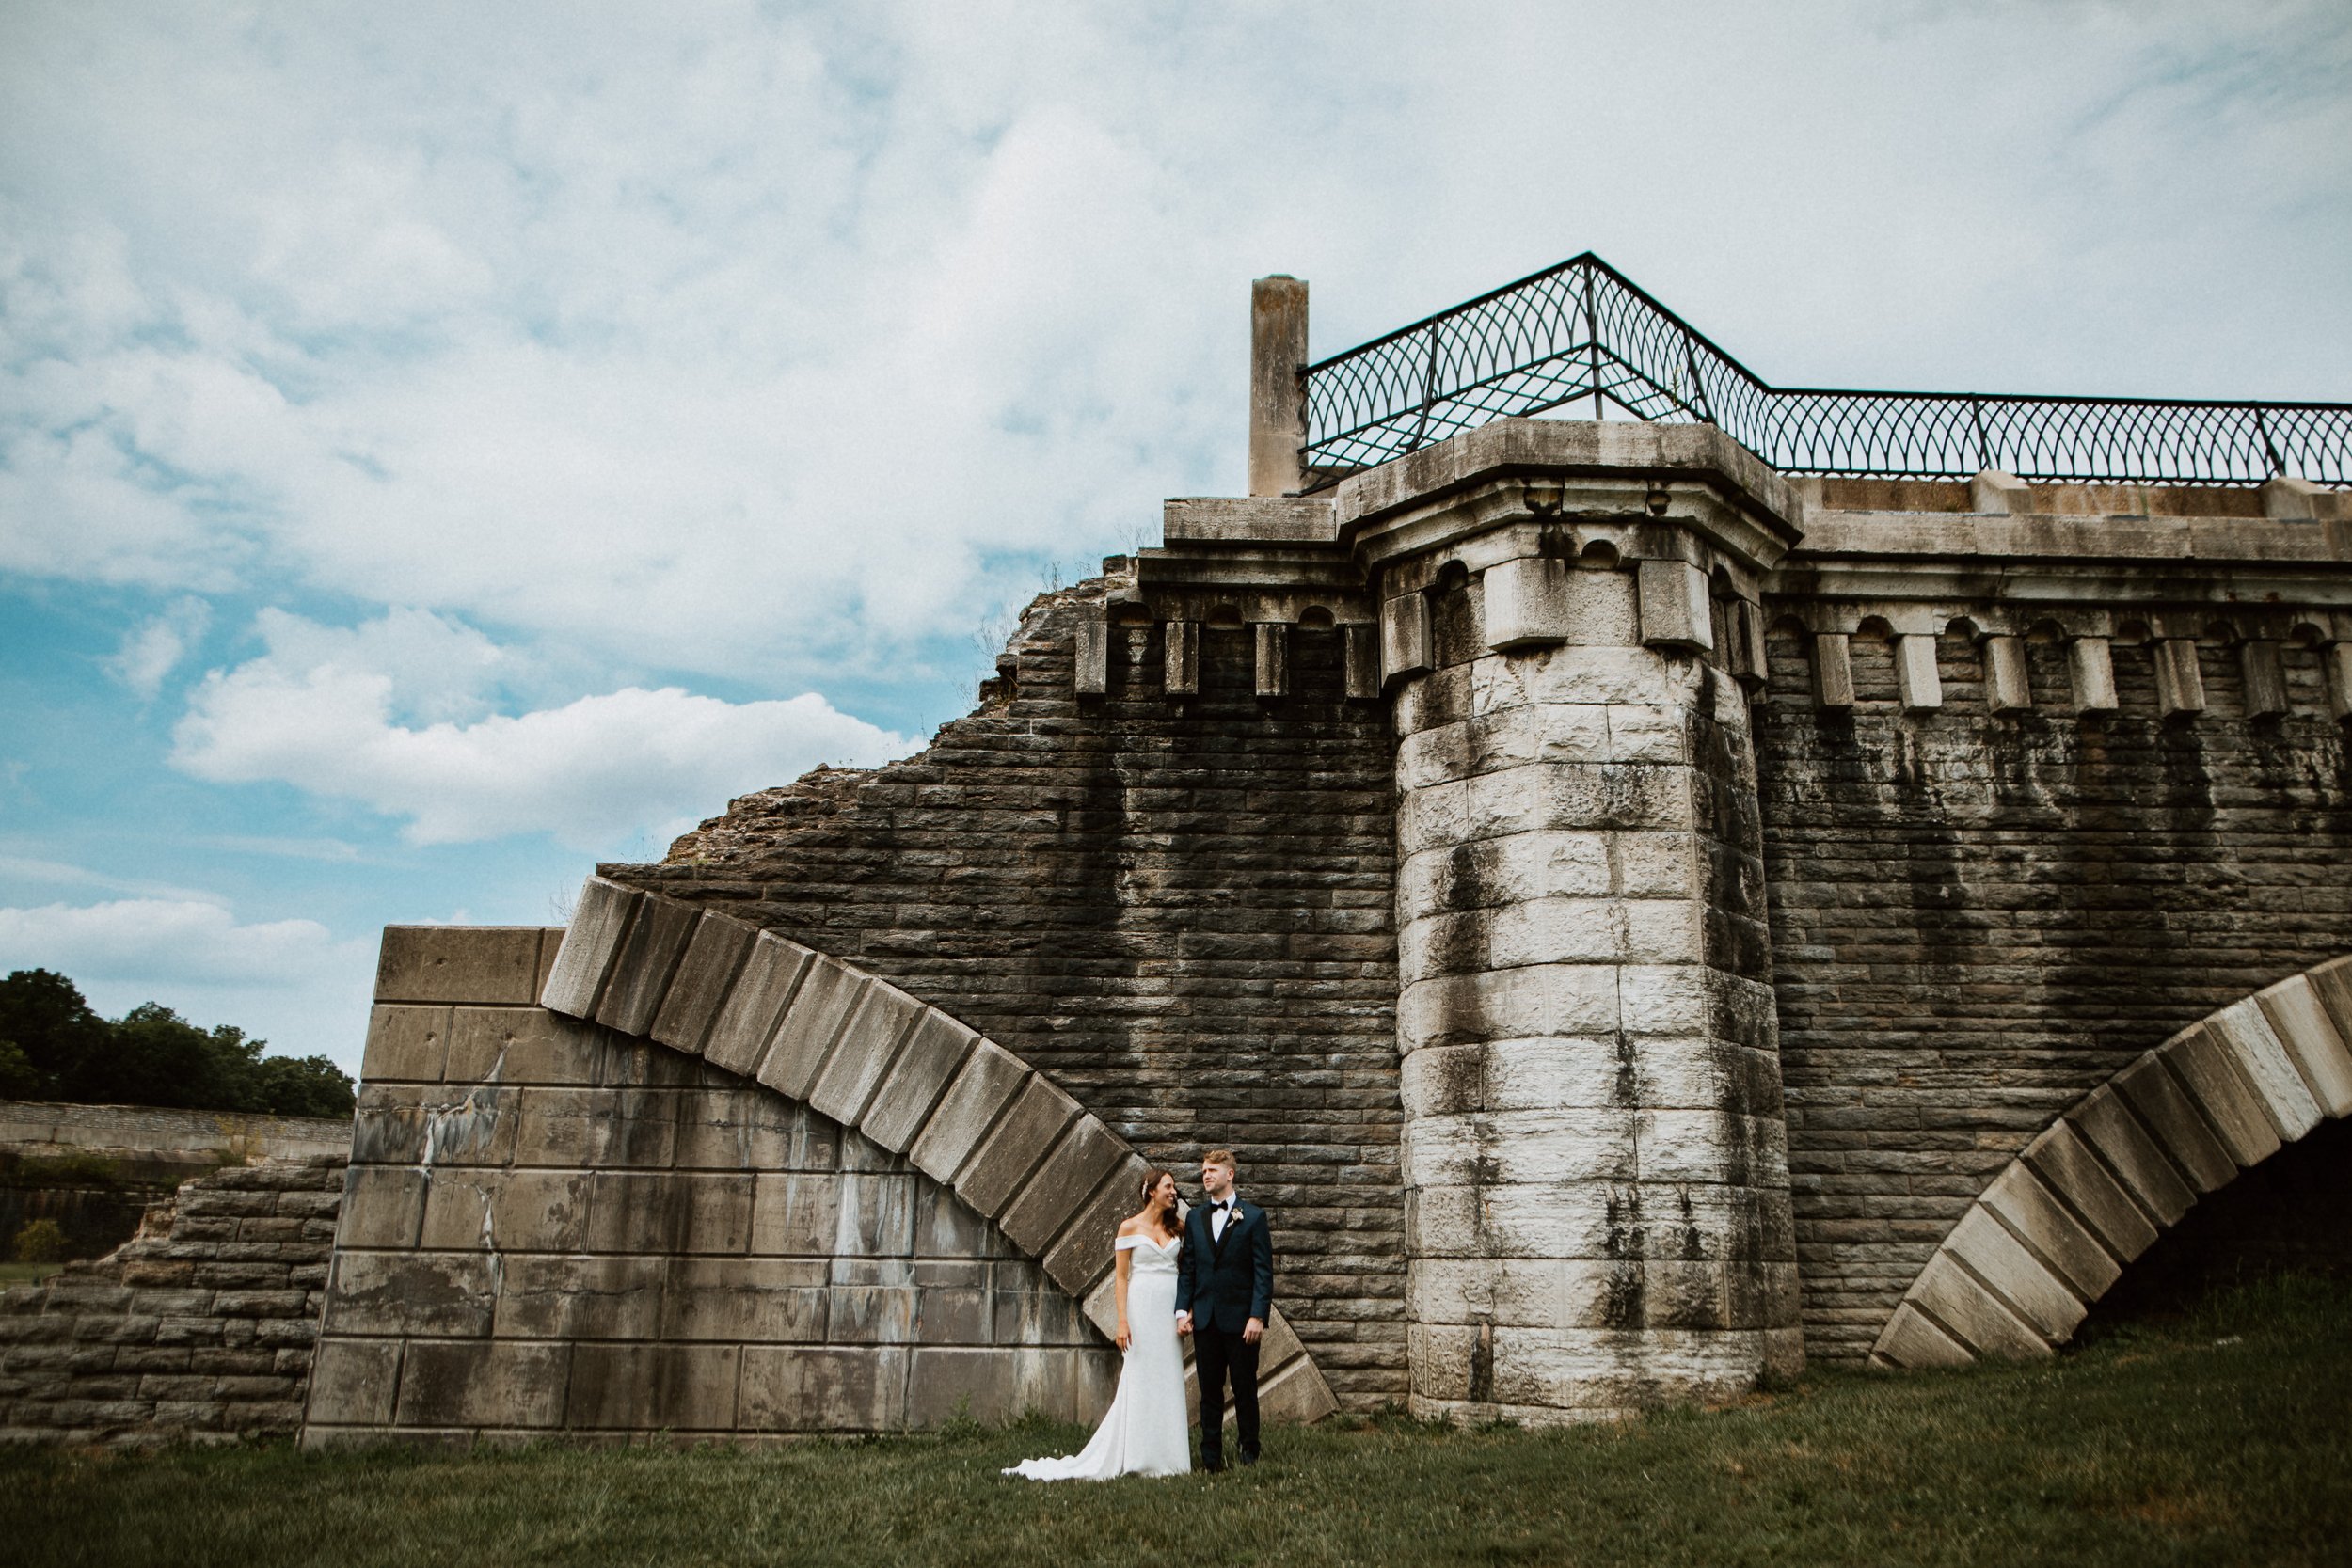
(1224, 1295)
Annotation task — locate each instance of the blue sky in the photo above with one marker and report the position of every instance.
(444, 446)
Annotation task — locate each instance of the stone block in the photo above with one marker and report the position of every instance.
(2020, 1202)
(1675, 608)
(1015, 1147)
(877, 1215)
(591, 944)
(1271, 654)
(580, 1298)
(383, 1206)
(352, 1382)
(457, 963)
(1530, 1147)
(1360, 663)
(581, 1129)
(2091, 672)
(2319, 1049)
(714, 955)
(1296, 1395)
(2061, 1159)
(1917, 682)
(1091, 656)
(745, 1300)
(483, 1385)
(1525, 603)
(1911, 1340)
(796, 1389)
(641, 974)
(750, 1128)
(2179, 1128)
(826, 997)
(934, 1053)
(1997, 1258)
(1566, 999)
(982, 1087)
(1832, 670)
(963, 1384)
(1990, 490)
(1062, 1183)
(861, 1057)
(796, 1214)
(2180, 683)
(405, 1044)
(1082, 1255)
(746, 1025)
(445, 1295)
(653, 1387)
(2152, 1180)
(1964, 1308)
(869, 1314)
(1180, 659)
(1406, 647)
(526, 1045)
(670, 1213)
(2337, 659)
(2007, 686)
(2265, 678)
(2244, 1029)
(2209, 1071)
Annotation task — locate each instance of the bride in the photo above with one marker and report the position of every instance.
(1146, 1430)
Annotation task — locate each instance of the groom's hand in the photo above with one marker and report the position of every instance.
(1184, 1324)
(1252, 1331)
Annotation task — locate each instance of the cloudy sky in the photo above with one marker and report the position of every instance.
(443, 446)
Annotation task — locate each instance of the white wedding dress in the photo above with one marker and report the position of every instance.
(1146, 1430)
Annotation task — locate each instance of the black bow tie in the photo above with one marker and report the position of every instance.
(1225, 1203)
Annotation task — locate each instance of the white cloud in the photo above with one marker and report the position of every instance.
(747, 339)
(288, 981)
(321, 710)
(155, 646)
(178, 940)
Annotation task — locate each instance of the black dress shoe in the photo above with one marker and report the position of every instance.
(1247, 1457)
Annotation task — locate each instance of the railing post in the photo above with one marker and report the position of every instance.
(1277, 393)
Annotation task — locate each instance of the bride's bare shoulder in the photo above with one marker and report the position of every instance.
(1131, 1225)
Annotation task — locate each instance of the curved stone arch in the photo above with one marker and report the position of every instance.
(2123, 1163)
(1047, 1173)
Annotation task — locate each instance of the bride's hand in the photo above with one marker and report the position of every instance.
(1122, 1339)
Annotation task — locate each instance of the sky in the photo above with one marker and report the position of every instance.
(444, 446)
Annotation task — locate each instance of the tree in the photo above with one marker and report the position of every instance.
(52, 1045)
(42, 1014)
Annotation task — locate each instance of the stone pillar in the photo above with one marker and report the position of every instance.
(1594, 1152)
(1277, 397)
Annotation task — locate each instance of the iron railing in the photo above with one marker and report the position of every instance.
(1583, 330)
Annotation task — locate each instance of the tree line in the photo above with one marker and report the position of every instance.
(53, 1046)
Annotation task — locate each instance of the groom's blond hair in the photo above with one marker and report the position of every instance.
(1222, 1157)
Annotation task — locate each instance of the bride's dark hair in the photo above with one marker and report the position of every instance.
(1151, 1179)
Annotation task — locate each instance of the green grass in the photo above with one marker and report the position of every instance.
(26, 1274)
(2221, 1437)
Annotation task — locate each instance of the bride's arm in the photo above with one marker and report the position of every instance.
(1123, 1257)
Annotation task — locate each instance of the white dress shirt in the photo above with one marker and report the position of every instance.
(1218, 1217)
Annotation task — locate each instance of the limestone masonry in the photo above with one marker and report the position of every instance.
(1642, 920)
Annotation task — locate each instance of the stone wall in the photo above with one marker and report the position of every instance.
(552, 1227)
(199, 1328)
(1977, 916)
(152, 1132)
(1175, 906)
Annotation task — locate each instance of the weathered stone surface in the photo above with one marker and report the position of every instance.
(807, 1389)
(353, 1382)
(2212, 1075)
(1075, 1167)
(482, 1385)
(1997, 1258)
(1525, 603)
(2008, 688)
(713, 957)
(2320, 1051)
(1016, 1146)
(936, 1051)
(741, 1035)
(2063, 1160)
(667, 1388)
(868, 1043)
(1978, 1320)
(2091, 670)
(406, 1043)
(592, 943)
(1675, 608)
(1833, 671)
(2245, 1030)
(457, 963)
(2180, 1129)
(1911, 1340)
(812, 1020)
(1404, 638)
(641, 974)
(987, 1081)
(2152, 1180)
(1916, 681)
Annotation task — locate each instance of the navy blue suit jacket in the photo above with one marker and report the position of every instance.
(1226, 1283)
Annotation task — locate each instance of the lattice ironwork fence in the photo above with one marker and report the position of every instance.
(1582, 330)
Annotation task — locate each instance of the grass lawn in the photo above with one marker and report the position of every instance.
(2222, 1437)
(26, 1274)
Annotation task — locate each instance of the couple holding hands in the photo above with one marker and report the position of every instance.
(1209, 1277)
